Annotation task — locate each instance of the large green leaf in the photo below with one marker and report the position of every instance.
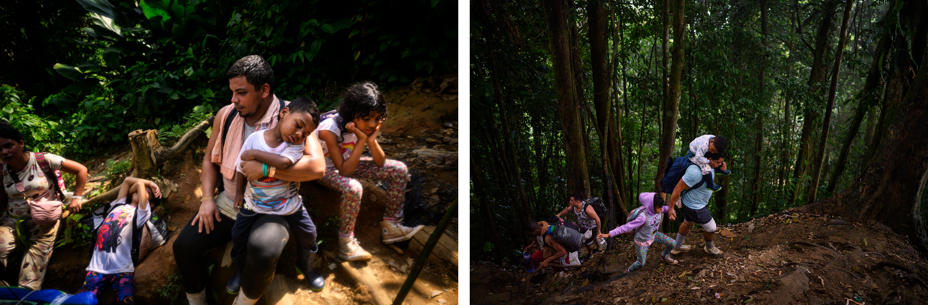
(153, 9)
(68, 71)
(111, 56)
(101, 7)
(102, 31)
(81, 87)
(106, 23)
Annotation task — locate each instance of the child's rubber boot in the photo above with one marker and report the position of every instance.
(304, 263)
(350, 250)
(394, 231)
(709, 183)
(232, 287)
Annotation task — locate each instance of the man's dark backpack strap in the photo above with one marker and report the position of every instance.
(225, 132)
(698, 184)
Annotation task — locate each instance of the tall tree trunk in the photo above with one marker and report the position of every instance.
(671, 107)
(511, 162)
(871, 130)
(568, 97)
(602, 94)
(820, 152)
(540, 159)
(816, 77)
(485, 210)
(759, 119)
(867, 97)
(665, 51)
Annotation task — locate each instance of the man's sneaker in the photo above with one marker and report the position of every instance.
(714, 250)
(234, 284)
(681, 249)
(350, 250)
(670, 260)
(393, 231)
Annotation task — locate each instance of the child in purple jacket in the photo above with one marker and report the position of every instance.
(643, 225)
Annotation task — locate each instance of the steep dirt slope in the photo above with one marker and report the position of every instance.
(780, 259)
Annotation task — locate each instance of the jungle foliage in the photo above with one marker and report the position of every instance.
(85, 73)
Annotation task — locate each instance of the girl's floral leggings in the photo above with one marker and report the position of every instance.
(393, 173)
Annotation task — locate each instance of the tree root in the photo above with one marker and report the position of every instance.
(813, 245)
(912, 276)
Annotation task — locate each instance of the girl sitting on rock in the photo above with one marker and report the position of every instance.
(357, 124)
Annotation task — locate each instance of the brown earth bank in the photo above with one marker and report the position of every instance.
(788, 258)
(421, 131)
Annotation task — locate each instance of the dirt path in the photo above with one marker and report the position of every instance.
(780, 259)
(427, 145)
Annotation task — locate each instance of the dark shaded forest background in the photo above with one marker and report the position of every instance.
(823, 102)
(78, 75)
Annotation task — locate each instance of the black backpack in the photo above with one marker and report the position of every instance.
(149, 236)
(599, 206)
(675, 170)
(569, 238)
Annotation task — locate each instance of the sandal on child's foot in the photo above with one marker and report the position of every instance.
(670, 260)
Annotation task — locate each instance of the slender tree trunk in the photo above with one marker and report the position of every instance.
(665, 51)
(816, 77)
(868, 137)
(568, 97)
(867, 97)
(512, 161)
(485, 210)
(671, 107)
(602, 89)
(759, 119)
(541, 168)
(820, 153)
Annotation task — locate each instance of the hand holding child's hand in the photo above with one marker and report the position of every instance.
(354, 129)
(602, 235)
(672, 214)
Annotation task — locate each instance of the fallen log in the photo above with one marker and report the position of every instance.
(147, 154)
(445, 252)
